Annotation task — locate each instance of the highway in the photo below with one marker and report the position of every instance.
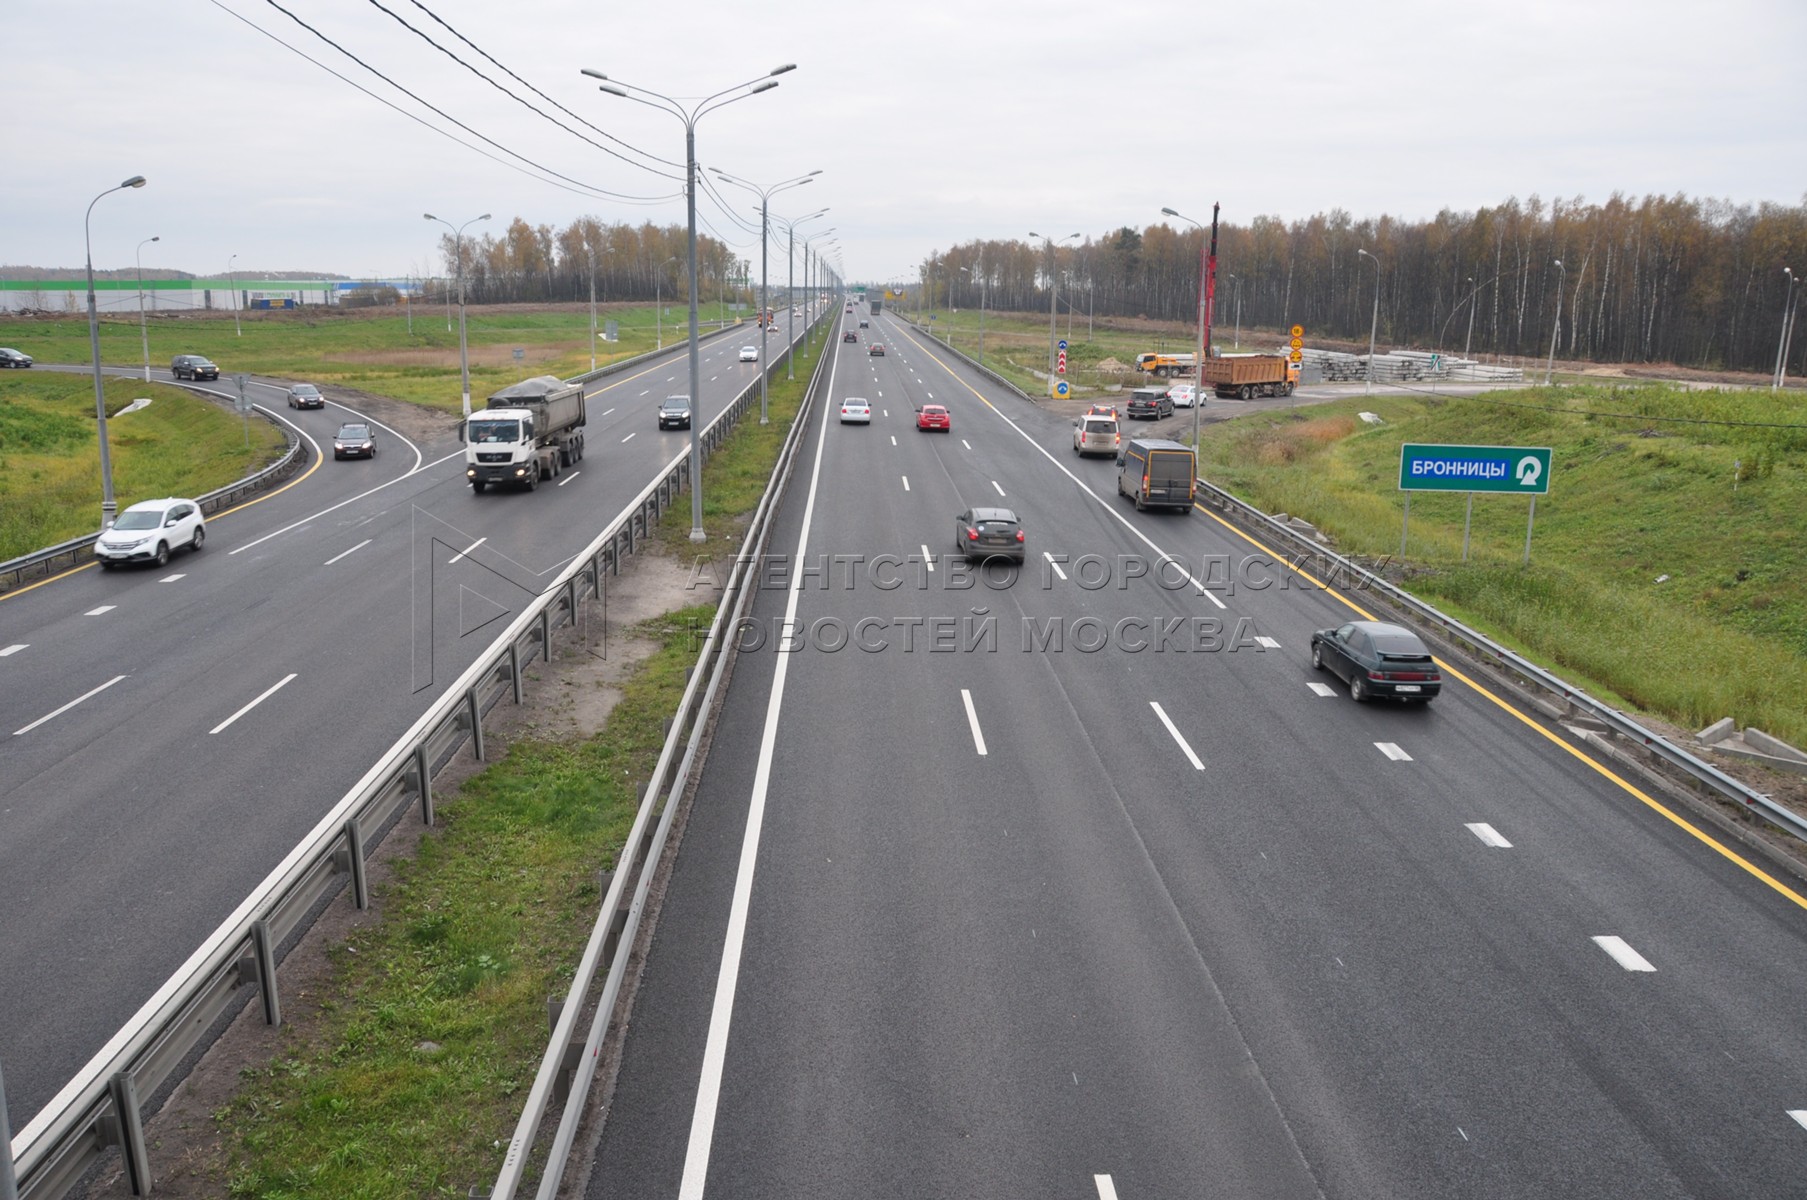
(1168, 916)
(167, 735)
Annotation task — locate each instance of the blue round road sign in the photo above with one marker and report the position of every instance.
(1061, 344)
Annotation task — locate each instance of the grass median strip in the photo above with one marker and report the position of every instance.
(409, 1073)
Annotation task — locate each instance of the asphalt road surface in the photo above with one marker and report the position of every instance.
(167, 735)
(1004, 918)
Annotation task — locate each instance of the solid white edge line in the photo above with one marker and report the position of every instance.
(335, 558)
(721, 1014)
(466, 550)
(1489, 835)
(59, 712)
(1174, 730)
(270, 691)
(1106, 1189)
(1622, 953)
(972, 720)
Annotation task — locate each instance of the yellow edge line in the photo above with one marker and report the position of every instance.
(1656, 805)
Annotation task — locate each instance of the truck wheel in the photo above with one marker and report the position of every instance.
(1289, 390)
(1248, 393)
(533, 479)
(477, 486)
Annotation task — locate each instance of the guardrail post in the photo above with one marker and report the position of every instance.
(576, 603)
(514, 669)
(423, 778)
(128, 1133)
(354, 846)
(266, 972)
(474, 713)
(9, 1183)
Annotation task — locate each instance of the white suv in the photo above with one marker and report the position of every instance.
(150, 531)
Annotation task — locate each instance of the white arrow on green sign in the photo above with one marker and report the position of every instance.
(1515, 470)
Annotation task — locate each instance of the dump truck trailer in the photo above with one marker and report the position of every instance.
(1246, 376)
(525, 433)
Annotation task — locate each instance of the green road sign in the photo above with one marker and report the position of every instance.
(1519, 470)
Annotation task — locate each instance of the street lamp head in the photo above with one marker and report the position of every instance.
(484, 217)
(784, 68)
(592, 72)
(135, 181)
(1169, 212)
(1559, 263)
(429, 217)
(1365, 254)
(156, 239)
(611, 89)
(764, 85)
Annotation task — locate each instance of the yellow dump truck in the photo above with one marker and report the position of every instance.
(1246, 376)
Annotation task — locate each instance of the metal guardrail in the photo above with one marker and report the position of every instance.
(648, 356)
(568, 1067)
(1529, 675)
(100, 1110)
(40, 563)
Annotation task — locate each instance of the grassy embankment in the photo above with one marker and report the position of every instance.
(409, 1080)
(50, 455)
(1016, 344)
(368, 349)
(1718, 508)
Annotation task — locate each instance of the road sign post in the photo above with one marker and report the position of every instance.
(243, 404)
(1510, 470)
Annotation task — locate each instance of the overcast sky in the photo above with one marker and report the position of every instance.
(932, 122)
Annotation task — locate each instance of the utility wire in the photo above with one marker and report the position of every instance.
(548, 99)
(416, 118)
(577, 184)
(541, 113)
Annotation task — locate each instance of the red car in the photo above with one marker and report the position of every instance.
(934, 416)
(875, 348)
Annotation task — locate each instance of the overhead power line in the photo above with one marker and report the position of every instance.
(577, 184)
(538, 112)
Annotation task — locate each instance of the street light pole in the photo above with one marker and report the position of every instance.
(591, 251)
(790, 358)
(237, 328)
(143, 333)
(1775, 379)
(689, 117)
(1373, 320)
(1198, 370)
(107, 506)
(464, 358)
(765, 290)
(1788, 342)
(1469, 340)
(1237, 280)
(1053, 289)
(1556, 329)
(659, 299)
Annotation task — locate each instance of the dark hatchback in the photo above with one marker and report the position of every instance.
(1379, 661)
(674, 412)
(14, 358)
(989, 533)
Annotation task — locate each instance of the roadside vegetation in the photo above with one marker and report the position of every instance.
(1101, 354)
(371, 350)
(50, 491)
(411, 1077)
(1667, 562)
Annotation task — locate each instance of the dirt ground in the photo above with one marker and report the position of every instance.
(569, 698)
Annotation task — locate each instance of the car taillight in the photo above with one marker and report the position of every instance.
(972, 535)
(1145, 483)
(1019, 535)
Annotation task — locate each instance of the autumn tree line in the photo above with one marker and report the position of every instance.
(1665, 279)
(527, 263)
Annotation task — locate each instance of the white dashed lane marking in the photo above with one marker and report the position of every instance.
(1489, 835)
(1623, 954)
(1392, 751)
(1322, 689)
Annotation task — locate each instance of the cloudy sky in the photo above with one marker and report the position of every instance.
(932, 122)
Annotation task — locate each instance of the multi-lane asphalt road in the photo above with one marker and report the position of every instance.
(967, 917)
(167, 735)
